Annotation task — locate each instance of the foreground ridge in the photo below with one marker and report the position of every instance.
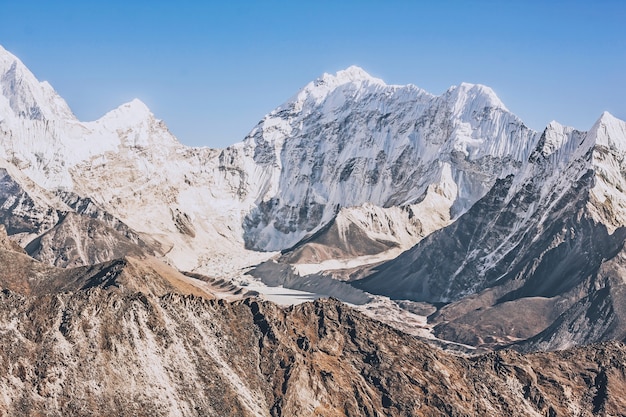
(103, 352)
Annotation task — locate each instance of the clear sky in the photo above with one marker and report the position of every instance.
(211, 70)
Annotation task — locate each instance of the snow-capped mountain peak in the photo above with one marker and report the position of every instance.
(25, 95)
(349, 81)
(610, 131)
(347, 139)
(130, 113)
(353, 74)
(554, 136)
(137, 106)
(7, 59)
(477, 95)
(40, 134)
(607, 138)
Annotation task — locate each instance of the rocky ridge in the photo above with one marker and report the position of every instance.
(112, 350)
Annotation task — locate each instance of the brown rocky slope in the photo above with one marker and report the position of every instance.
(106, 352)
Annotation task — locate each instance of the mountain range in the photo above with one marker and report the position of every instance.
(443, 216)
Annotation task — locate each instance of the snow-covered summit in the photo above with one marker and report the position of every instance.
(25, 95)
(349, 138)
(130, 113)
(607, 135)
(554, 137)
(40, 134)
(348, 81)
(352, 74)
(473, 97)
(610, 131)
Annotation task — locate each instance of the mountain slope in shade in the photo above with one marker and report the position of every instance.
(131, 274)
(25, 209)
(538, 245)
(79, 240)
(63, 229)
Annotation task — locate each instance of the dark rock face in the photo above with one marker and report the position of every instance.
(599, 314)
(183, 223)
(79, 240)
(19, 212)
(428, 272)
(332, 243)
(276, 274)
(552, 251)
(22, 274)
(88, 209)
(75, 232)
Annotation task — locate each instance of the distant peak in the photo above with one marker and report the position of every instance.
(483, 90)
(28, 97)
(477, 94)
(320, 88)
(554, 125)
(136, 105)
(133, 112)
(607, 117)
(355, 69)
(609, 131)
(136, 108)
(355, 73)
(349, 75)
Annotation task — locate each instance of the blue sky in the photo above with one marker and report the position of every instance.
(212, 70)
